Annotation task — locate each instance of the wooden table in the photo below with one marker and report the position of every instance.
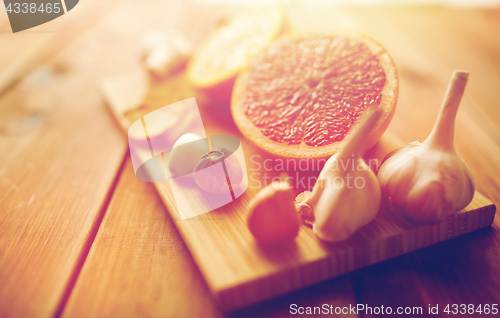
(81, 236)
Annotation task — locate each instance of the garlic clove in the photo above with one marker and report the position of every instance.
(428, 181)
(165, 52)
(186, 153)
(341, 211)
(347, 194)
(272, 218)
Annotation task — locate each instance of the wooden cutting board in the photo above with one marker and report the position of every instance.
(237, 270)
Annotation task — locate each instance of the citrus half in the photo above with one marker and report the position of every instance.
(302, 95)
(214, 66)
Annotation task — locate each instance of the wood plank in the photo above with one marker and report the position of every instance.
(464, 270)
(59, 159)
(478, 138)
(60, 153)
(337, 292)
(23, 51)
(138, 264)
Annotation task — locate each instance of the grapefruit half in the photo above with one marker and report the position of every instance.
(301, 96)
(230, 48)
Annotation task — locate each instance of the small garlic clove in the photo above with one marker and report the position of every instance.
(186, 153)
(164, 52)
(272, 218)
(428, 181)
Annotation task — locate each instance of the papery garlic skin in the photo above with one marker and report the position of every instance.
(165, 51)
(425, 183)
(341, 208)
(272, 218)
(341, 211)
(185, 154)
(429, 181)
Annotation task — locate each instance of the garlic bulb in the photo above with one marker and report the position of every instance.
(347, 194)
(430, 181)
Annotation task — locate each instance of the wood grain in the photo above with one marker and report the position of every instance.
(239, 272)
(23, 51)
(59, 156)
(138, 264)
(57, 168)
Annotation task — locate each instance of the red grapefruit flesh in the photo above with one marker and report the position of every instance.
(303, 94)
